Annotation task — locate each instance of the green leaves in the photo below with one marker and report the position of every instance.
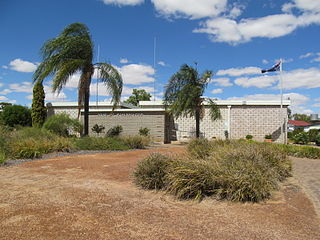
(38, 110)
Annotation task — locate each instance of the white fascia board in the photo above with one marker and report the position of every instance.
(127, 110)
(227, 102)
(91, 104)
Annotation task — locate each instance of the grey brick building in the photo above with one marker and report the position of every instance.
(239, 118)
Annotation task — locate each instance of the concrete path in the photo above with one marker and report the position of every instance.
(307, 172)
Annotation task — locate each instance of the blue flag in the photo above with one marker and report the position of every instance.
(275, 68)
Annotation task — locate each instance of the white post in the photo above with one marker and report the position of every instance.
(97, 87)
(281, 104)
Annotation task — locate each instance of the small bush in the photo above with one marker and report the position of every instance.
(268, 136)
(114, 131)
(144, 131)
(2, 158)
(313, 134)
(97, 128)
(136, 142)
(62, 125)
(150, 173)
(299, 151)
(301, 138)
(249, 137)
(317, 140)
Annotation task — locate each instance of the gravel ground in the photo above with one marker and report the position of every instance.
(91, 196)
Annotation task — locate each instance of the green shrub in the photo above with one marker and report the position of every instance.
(97, 128)
(62, 125)
(150, 173)
(268, 136)
(13, 115)
(300, 151)
(136, 142)
(249, 137)
(313, 134)
(114, 131)
(144, 131)
(301, 138)
(317, 140)
(200, 148)
(94, 143)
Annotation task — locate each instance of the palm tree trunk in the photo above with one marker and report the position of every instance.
(86, 114)
(197, 116)
(89, 74)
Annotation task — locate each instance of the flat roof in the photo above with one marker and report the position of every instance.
(91, 104)
(228, 102)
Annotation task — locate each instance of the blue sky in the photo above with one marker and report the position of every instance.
(234, 39)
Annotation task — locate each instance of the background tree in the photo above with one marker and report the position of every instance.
(3, 104)
(301, 117)
(71, 52)
(38, 109)
(138, 95)
(183, 95)
(13, 115)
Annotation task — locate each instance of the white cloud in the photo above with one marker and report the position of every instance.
(24, 87)
(259, 82)
(217, 91)
(309, 54)
(221, 82)
(22, 66)
(50, 96)
(137, 74)
(226, 29)
(124, 60)
(264, 61)
(1, 84)
(298, 78)
(304, 5)
(162, 63)
(103, 91)
(317, 59)
(4, 67)
(239, 71)
(3, 98)
(298, 101)
(190, 8)
(5, 91)
(123, 2)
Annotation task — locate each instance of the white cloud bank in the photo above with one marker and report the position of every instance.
(20, 65)
(123, 2)
(298, 101)
(239, 71)
(298, 78)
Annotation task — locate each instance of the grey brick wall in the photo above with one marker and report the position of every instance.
(257, 121)
(131, 122)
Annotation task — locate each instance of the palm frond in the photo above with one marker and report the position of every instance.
(110, 76)
(214, 110)
(65, 71)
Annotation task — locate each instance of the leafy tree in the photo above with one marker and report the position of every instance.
(38, 109)
(71, 52)
(13, 115)
(301, 117)
(183, 95)
(138, 95)
(3, 104)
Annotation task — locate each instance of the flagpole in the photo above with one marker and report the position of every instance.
(281, 102)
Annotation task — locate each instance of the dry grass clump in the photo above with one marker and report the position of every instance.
(233, 170)
(150, 173)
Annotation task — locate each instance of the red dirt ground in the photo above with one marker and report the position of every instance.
(93, 197)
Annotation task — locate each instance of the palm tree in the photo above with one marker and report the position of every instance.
(183, 95)
(72, 52)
